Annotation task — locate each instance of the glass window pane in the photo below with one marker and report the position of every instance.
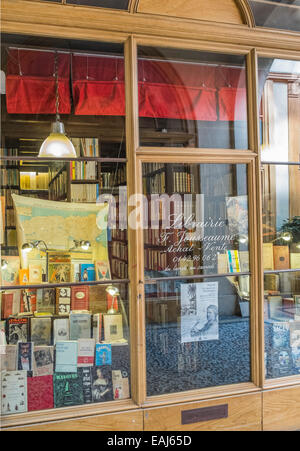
(191, 99)
(64, 290)
(196, 219)
(282, 324)
(271, 14)
(279, 99)
(197, 335)
(114, 4)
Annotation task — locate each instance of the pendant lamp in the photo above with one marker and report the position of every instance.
(57, 144)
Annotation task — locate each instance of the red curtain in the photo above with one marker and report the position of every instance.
(232, 95)
(31, 82)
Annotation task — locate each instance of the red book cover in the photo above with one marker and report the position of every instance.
(80, 298)
(40, 393)
(7, 304)
(28, 301)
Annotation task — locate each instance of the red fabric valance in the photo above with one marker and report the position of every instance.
(183, 91)
(31, 82)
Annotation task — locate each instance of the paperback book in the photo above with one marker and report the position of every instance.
(66, 356)
(43, 360)
(40, 393)
(80, 325)
(41, 331)
(67, 389)
(13, 392)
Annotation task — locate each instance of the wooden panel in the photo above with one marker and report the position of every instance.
(244, 413)
(281, 409)
(123, 421)
(224, 11)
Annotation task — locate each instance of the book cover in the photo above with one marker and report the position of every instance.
(43, 360)
(46, 300)
(103, 354)
(85, 375)
(13, 392)
(40, 393)
(25, 356)
(10, 271)
(102, 270)
(10, 303)
(80, 298)
(35, 273)
(121, 358)
(97, 327)
(28, 301)
(280, 334)
(87, 272)
(295, 334)
(67, 389)
(61, 329)
(102, 389)
(66, 355)
(63, 300)
(59, 267)
(2, 218)
(281, 257)
(233, 261)
(8, 358)
(268, 258)
(274, 307)
(41, 331)
(17, 330)
(280, 362)
(86, 352)
(244, 261)
(113, 327)
(80, 325)
(295, 260)
(24, 276)
(120, 385)
(222, 263)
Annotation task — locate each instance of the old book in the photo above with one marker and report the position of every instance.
(10, 303)
(80, 325)
(10, 271)
(281, 257)
(85, 374)
(102, 389)
(295, 260)
(271, 282)
(280, 362)
(8, 358)
(97, 326)
(86, 352)
(61, 329)
(222, 263)
(113, 327)
(80, 298)
(63, 300)
(279, 334)
(186, 267)
(2, 218)
(41, 331)
(25, 356)
(120, 385)
(17, 330)
(67, 389)
(43, 360)
(233, 261)
(24, 276)
(28, 301)
(97, 298)
(102, 270)
(40, 393)
(35, 273)
(103, 354)
(13, 392)
(46, 300)
(268, 258)
(244, 261)
(66, 356)
(87, 272)
(59, 267)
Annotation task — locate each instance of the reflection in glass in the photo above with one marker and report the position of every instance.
(274, 14)
(191, 99)
(197, 334)
(195, 220)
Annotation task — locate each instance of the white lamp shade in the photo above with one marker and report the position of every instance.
(57, 144)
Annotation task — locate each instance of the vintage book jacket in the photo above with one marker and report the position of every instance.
(13, 392)
(59, 267)
(280, 362)
(113, 327)
(281, 257)
(8, 358)
(10, 303)
(268, 258)
(102, 270)
(121, 358)
(97, 327)
(63, 300)
(120, 385)
(35, 273)
(10, 274)
(25, 356)
(66, 356)
(103, 354)
(80, 325)
(43, 360)
(40, 393)
(87, 272)
(86, 352)
(102, 389)
(61, 329)
(97, 298)
(295, 260)
(28, 301)
(67, 389)
(85, 375)
(41, 331)
(17, 330)
(46, 300)
(295, 334)
(24, 276)
(80, 298)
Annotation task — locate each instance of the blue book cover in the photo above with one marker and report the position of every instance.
(103, 354)
(280, 334)
(87, 272)
(66, 356)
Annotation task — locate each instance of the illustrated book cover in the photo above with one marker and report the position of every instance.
(113, 327)
(13, 392)
(10, 271)
(80, 325)
(61, 329)
(59, 267)
(85, 375)
(63, 300)
(35, 273)
(102, 389)
(281, 257)
(25, 356)
(102, 270)
(17, 330)
(103, 354)
(46, 300)
(87, 272)
(43, 360)
(41, 331)
(67, 389)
